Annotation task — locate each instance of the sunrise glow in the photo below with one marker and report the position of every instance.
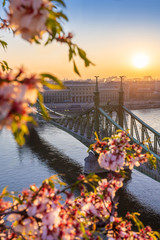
(140, 60)
(120, 40)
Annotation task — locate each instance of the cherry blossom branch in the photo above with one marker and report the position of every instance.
(7, 228)
(23, 213)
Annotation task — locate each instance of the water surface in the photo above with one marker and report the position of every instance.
(49, 151)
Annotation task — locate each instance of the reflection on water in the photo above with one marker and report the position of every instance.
(53, 158)
(139, 196)
(49, 151)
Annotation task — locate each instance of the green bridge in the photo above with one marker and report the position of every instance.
(105, 120)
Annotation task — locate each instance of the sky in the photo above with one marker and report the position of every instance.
(121, 37)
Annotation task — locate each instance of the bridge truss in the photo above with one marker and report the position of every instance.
(105, 121)
(84, 126)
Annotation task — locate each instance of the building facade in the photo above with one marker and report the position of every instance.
(82, 92)
(79, 95)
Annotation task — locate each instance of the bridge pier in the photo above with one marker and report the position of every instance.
(91, 164)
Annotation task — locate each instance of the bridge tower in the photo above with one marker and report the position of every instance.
(96, 103)
(121, 103)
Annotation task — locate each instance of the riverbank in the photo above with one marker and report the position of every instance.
(142, 105)
(71, 108)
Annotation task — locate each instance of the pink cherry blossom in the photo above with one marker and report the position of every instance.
(111, 161)
(16, 95)
(52, 217)
(28, 17)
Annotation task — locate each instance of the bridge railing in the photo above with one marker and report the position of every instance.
(84, 125)
(109, 127)
(141, 131)
(81, 126)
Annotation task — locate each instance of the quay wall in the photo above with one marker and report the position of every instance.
(139, 105)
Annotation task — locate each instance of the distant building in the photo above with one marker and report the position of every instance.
(82, 92)
(56, 96)
(79, 95)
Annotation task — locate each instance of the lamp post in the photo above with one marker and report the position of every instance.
(96, 102)
(121, 102)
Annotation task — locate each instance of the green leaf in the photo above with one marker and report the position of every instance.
(82, 54)
(101, 196)
(57, 15)
(4, 66)
(14, 126)
(18, 132)
(75, 68)
(17, 199)
(119, 131)
(152, 235)
(50, 39)
(83, 231)
(4, 2)
(92, 177)
(24, 129)
(152, 160)
(61, 15)
(30, 119)
(4, 190)
(157, 234)
(62, 183)
(4, 44)
(54, 25)
(106, 138)
(90, 147)
(20, 138)
(51, 77)
(43, 109)
(53, 177)
(70, 53)
(96, 135)
(51, 86)
(20, 238)
(36, 40)
(138, 223)
(51, 184)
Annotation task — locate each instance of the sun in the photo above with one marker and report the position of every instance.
(140, 60)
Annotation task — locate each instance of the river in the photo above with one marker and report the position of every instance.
(49, 151)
